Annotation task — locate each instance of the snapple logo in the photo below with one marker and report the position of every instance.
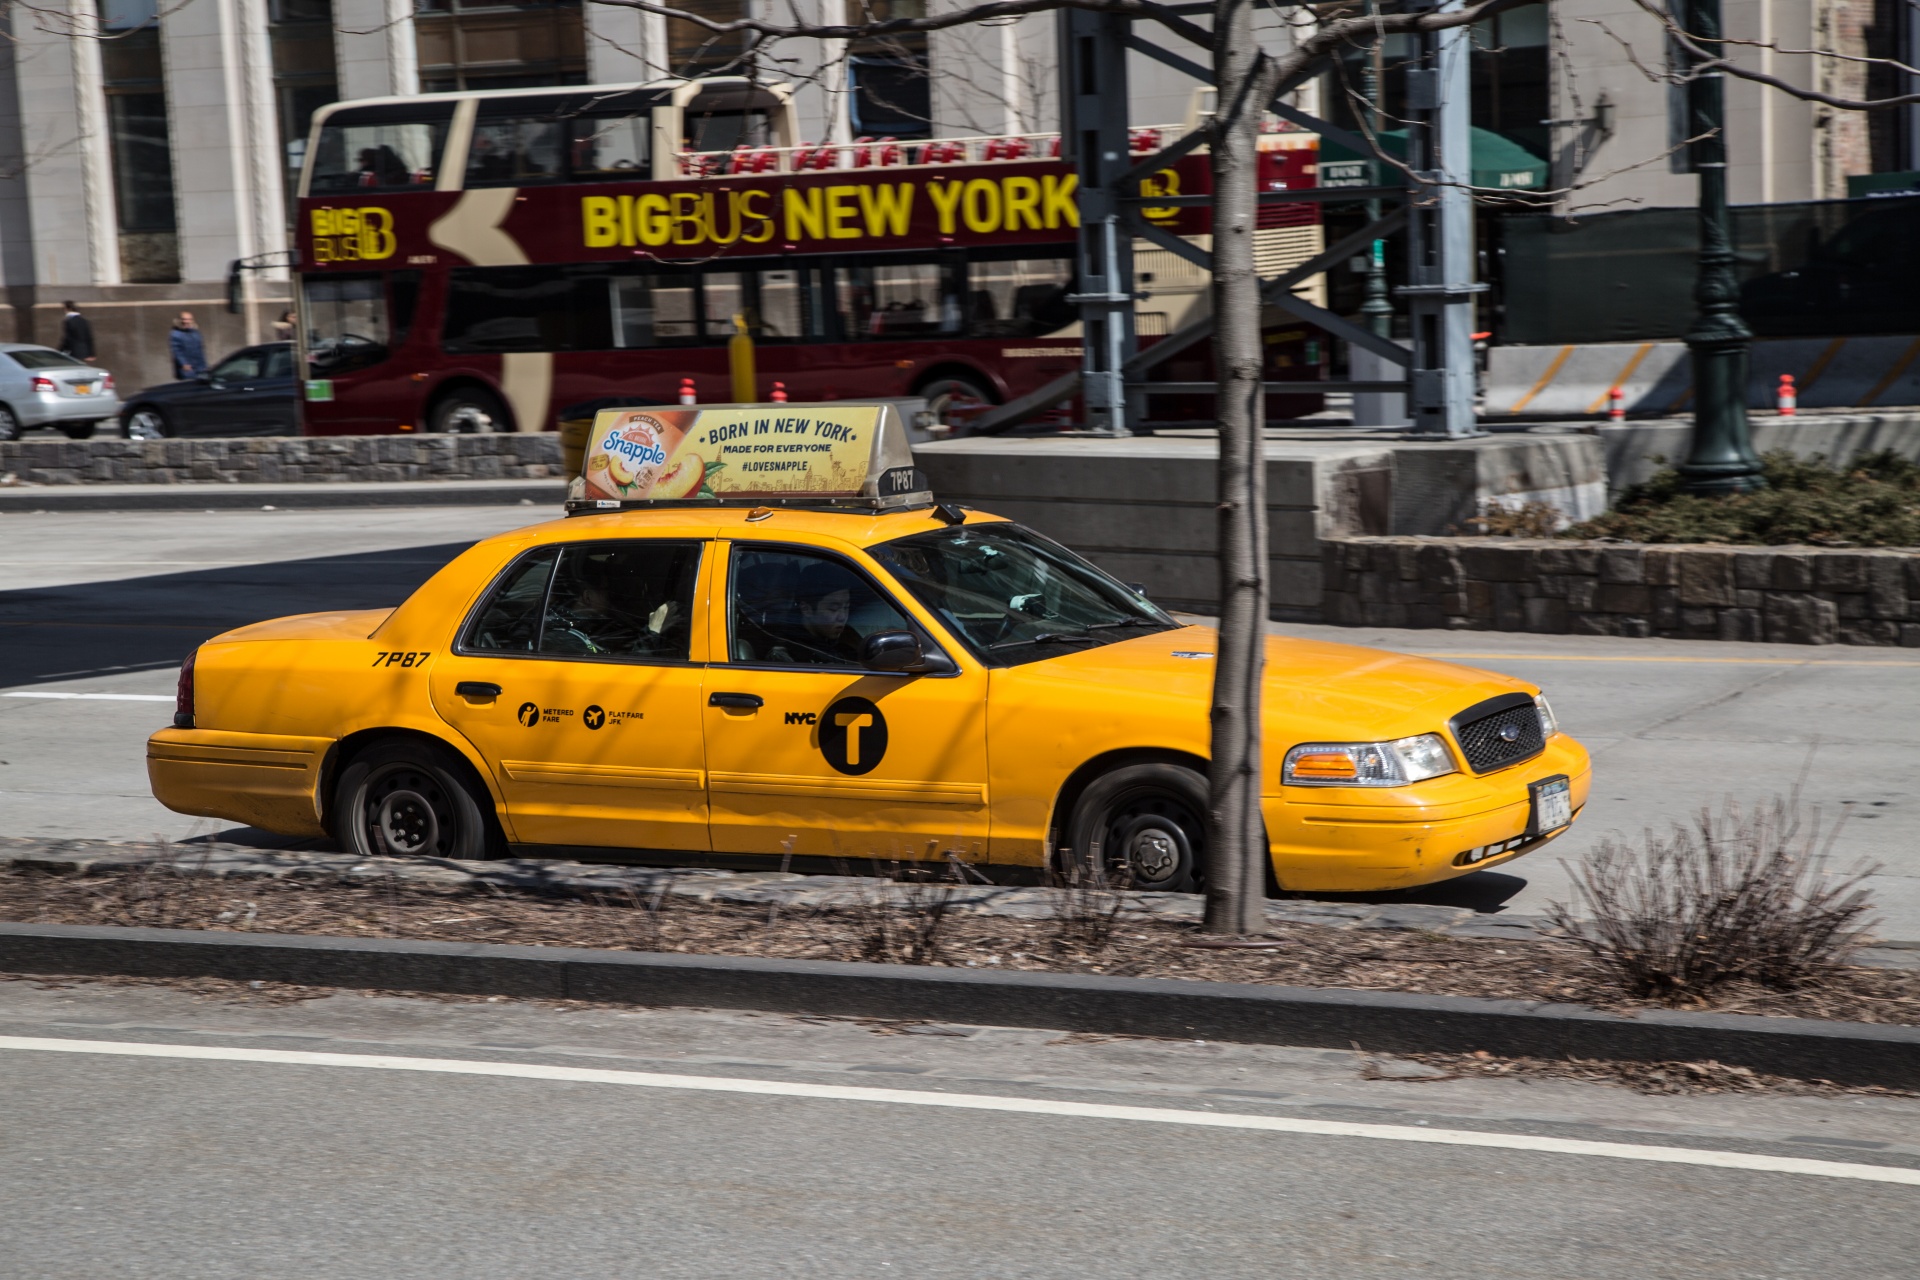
(640, 447)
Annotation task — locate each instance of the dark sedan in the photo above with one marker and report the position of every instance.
(253, 392)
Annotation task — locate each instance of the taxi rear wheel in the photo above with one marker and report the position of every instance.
(1144, 826)
(407, 800)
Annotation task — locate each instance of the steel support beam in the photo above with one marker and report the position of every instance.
(1440, 257)
(1093, 127)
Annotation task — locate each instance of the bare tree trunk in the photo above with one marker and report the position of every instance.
(1236, 834)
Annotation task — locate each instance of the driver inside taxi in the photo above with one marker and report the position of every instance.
(823, 600)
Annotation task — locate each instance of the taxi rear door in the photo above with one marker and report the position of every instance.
(579, 681)
(807, 751)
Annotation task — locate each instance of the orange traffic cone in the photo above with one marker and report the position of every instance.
(1788, 399)
(687, 393)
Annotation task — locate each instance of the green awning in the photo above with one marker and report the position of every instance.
(1499, 163)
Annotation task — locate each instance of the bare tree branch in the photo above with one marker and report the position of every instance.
(1706, 64)
(765, 31)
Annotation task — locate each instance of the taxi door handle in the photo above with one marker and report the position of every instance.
(476, 689)
(745, 701)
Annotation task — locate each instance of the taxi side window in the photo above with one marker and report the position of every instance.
(509, 622)
(793, 609)
(628, 599)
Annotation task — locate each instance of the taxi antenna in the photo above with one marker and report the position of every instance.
(949, 513)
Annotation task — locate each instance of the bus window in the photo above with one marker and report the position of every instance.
(1019, 297)
(652, 309)
(379, 148)
(527, 309)
(346, 319)
(611, 147)
(782, 311)
(724, 298)
(725, 130)
(517, 153)
(910, 300)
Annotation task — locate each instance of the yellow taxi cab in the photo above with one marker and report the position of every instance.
(749, 666)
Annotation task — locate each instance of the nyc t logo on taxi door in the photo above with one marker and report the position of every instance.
(853, 735)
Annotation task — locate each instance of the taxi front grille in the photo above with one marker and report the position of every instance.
(1499, 732)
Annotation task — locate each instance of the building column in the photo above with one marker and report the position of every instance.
(625, 45)
(220, 108)
(63, 135)
(374, 51)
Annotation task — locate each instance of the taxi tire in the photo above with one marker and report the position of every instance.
(1155, 810)
(414, 791)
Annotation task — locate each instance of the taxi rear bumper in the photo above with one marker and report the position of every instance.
(265, 780)
(1351, 840)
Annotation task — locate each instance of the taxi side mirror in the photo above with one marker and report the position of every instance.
(898, 651)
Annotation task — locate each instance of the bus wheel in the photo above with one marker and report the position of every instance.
(467, 411)
(953, 402)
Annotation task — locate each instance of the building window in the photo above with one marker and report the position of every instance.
(304, 79)
(499, 44)
(692, 50)
(889, 78)
(137, 137)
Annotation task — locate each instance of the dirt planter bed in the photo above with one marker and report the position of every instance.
(1400, 992)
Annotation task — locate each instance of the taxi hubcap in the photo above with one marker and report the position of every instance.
(406, 811)
(1154, 853)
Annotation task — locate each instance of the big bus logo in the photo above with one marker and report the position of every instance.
(352, 235)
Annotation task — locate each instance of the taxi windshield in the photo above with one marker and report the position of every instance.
(1013, 596)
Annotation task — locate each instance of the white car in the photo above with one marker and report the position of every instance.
(40, 387)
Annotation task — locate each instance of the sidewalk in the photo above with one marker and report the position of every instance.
(281, 497)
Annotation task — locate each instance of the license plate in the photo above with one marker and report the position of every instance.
(82, 388)
(1550, 805)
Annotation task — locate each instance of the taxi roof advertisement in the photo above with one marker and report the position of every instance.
(743, 452)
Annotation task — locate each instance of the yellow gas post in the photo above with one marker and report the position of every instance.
(740, 360)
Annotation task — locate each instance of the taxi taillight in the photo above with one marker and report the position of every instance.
(183, 694)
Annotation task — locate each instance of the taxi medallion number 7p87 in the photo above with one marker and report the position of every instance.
(757, 634)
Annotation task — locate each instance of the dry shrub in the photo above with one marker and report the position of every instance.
(1527, 520)
(1086, 908)
(902, 922)
(162, 893)
(1737, 897)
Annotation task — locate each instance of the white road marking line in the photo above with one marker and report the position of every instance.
(97, 697)
(989, 1102)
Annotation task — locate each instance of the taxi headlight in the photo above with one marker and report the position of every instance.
(1367, 764)
(1548, 725)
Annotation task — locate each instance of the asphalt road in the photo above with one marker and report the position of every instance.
(109, 604)
(410, 1138)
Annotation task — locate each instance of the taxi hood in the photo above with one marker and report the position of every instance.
(1312, 688)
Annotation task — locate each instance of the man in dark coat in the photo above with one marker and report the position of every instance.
(183, 343)
(76, 334)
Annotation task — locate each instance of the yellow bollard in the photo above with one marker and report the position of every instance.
(740, 360)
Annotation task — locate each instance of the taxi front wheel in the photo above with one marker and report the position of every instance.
(1145, 826)
(407, 800)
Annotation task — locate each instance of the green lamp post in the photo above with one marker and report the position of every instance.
(1721, 459)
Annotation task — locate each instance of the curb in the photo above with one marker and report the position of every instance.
(283, 497)
(1843, 1052)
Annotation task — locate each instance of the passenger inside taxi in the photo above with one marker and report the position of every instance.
(804, 611)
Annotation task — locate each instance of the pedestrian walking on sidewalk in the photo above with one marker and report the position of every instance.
(189, 353)
(76, 334)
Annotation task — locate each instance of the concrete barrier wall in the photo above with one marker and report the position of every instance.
(1146, 509)
(1635, 450)
(282, 459)
(1782, 595)
(1573, 381)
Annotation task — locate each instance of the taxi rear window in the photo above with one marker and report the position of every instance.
(623, 600)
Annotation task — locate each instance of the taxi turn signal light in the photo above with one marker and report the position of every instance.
(1367, 764)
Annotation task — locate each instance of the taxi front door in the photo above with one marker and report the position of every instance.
(576, 681)
(809, 753)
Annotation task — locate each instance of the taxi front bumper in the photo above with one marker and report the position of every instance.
(266, 780)
(1364, 840)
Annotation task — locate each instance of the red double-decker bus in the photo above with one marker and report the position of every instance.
(483, 261)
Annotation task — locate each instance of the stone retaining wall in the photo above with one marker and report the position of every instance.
(1782, 595)
(283, 459)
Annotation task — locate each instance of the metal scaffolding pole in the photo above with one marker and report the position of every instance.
(1440, 258)
(1093, 129)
